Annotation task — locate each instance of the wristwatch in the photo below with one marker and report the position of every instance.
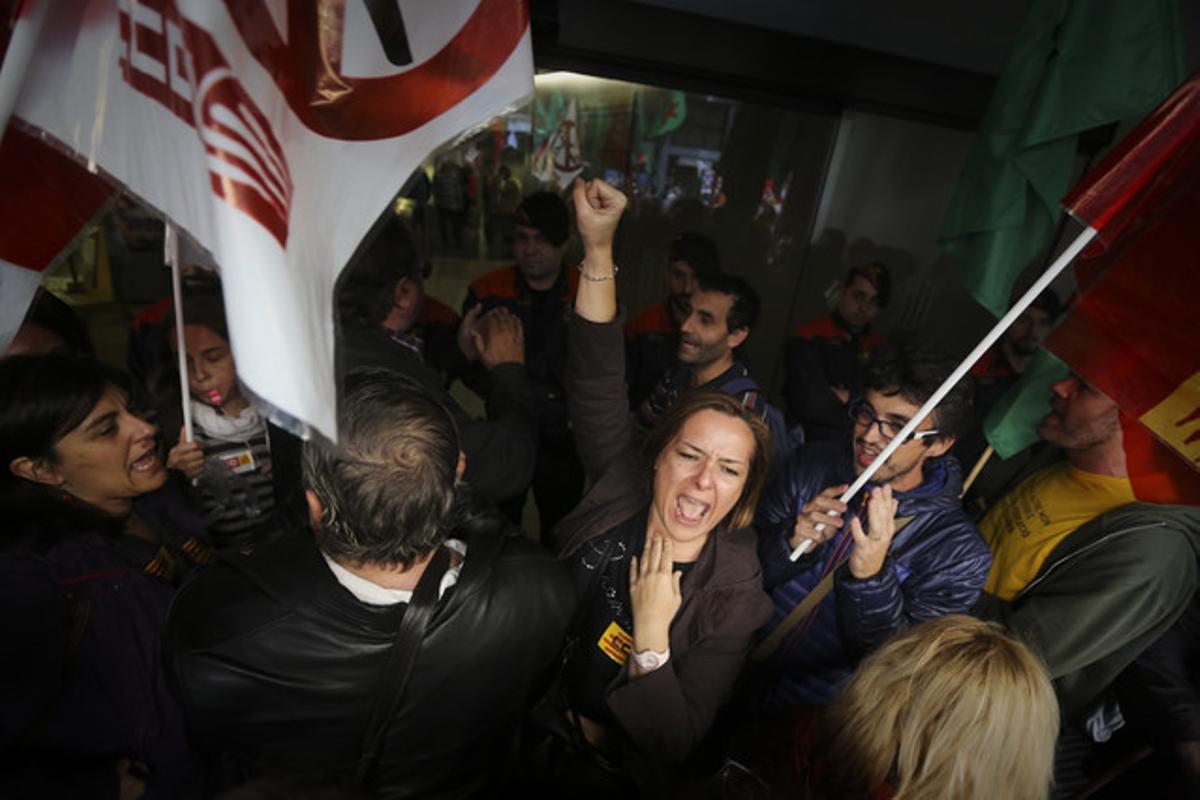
(650, 660)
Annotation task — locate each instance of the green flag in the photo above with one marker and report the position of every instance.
(641, 151)
(1012, 424)
(1076, 65)
(670, 115)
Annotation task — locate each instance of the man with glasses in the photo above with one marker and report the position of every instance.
(900, 552)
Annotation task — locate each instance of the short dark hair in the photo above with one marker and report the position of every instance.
(547, 213)
(45, 397)
(366, 289)
(699, 251)
(915, 371)
(204, 307)
(668, 425)
(387, 487)
(878, 275)
(744, 311)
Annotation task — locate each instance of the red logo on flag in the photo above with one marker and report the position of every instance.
(306, 65)
(178, 64)
(245, 161)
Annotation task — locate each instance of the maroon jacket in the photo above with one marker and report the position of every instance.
(667, 712)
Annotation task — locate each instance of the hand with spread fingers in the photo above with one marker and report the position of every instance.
(871, 546)
(654, 593)
(816, 512)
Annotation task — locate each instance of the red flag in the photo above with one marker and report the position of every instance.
(48, 197)
(47, 200)
(1143, 167)
(1134, 332)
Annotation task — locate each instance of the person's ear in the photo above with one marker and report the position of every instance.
(461, 468)
(36, 470)
(315, 509)
(736, 337)
(940, 446)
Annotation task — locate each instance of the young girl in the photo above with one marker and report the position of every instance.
(229, 461)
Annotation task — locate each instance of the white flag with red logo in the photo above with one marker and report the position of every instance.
(560, 159)
(274, 132)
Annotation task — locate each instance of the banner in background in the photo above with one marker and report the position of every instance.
(560, 158)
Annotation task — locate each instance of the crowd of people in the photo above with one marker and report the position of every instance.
(225, 611)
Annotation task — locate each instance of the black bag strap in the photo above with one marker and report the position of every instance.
(400, 661)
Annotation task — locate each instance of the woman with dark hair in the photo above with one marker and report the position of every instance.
(671, 589)
(92, 552)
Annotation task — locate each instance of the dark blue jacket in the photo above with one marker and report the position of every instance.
(938, 565)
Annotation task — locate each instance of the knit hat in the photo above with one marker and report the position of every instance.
(546, 212)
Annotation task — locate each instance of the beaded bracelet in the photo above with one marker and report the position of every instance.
(598, 278)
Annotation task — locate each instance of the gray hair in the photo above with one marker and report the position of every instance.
(387, 489)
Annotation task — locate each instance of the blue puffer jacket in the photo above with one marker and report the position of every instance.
(938, 565)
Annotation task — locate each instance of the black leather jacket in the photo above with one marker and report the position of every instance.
(278, 666)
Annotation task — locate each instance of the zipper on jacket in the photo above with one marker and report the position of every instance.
(1102, 540)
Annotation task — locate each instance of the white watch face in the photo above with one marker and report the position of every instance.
(651, 659)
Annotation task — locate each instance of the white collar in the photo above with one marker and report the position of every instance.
(373, 594)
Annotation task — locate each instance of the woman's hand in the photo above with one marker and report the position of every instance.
(871, 547)
(654, 594)
(187, 457)
(598, 209)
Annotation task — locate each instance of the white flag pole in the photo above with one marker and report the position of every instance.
(171, 254)
(1060, 263)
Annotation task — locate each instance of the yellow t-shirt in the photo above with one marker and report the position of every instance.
(1029, 522)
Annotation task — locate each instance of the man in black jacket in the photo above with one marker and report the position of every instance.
(395, 647)
(378, 327)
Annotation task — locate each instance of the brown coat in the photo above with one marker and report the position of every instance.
(667, 712)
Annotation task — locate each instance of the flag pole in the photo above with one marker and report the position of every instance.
(1065, 258)
(171, 255)
(978, 468)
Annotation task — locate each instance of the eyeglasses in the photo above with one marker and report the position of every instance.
(862, 413)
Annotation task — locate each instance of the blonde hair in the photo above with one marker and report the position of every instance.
(953, 708)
